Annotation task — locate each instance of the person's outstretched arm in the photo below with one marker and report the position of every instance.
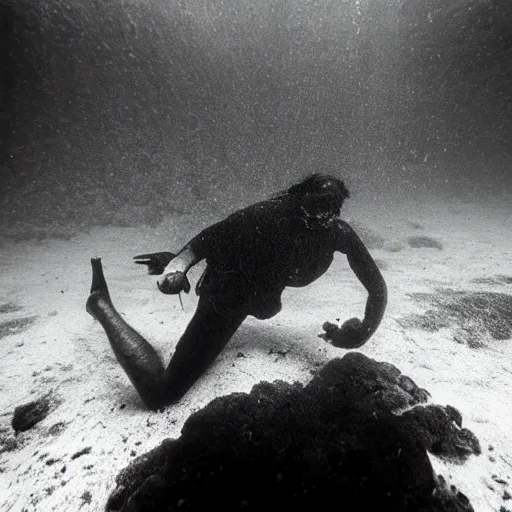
(354, 333)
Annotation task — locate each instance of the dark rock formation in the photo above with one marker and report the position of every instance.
(342, 440)
(27, 415)
(424, 241)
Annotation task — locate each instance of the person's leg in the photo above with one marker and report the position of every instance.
(137, 357)
(208, 332)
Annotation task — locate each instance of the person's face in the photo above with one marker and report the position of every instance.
(323, 205)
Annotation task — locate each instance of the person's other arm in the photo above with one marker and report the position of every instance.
(354, 333)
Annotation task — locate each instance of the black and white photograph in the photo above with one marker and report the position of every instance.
(255, 255)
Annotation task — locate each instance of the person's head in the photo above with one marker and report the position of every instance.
(320, 194)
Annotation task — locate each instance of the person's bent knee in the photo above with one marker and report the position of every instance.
(153, 399)
(154, 405)
(165, 398)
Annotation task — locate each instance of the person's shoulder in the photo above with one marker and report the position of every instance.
(342, 227)
(343, 234)
(264, 208)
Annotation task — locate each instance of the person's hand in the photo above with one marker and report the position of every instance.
(173, 283)
(350, 335)
(156, 261)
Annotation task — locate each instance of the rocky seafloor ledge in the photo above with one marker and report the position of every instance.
(356, 437)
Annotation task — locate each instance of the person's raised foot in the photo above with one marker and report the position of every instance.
(99, 288)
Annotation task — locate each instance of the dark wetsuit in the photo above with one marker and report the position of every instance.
(256, 252)
(251, 256)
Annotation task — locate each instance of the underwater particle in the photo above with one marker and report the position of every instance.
(28, 415)
(506, 495)
(419, 242)
(15, 326)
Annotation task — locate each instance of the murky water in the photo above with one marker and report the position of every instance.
(121, 112)
(128, 126)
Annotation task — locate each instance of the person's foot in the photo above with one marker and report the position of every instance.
(99, 289)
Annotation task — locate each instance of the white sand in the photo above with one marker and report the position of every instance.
(66, 351)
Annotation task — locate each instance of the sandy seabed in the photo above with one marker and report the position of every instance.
(97, 424)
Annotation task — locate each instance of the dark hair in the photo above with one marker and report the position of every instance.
(324, 190)
(317, 183)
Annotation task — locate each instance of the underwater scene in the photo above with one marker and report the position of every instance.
(255, 255)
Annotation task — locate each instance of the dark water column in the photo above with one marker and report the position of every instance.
(6, 80)
(16, 27)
